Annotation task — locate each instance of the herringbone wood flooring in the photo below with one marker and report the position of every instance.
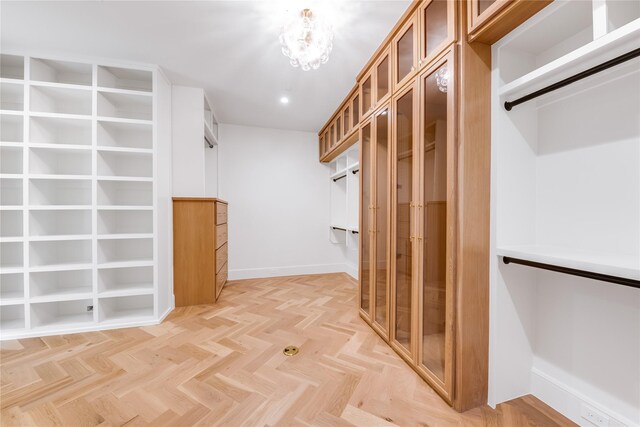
(223, 365)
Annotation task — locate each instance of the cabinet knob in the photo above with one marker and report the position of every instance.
(413, 69)
(419, 63)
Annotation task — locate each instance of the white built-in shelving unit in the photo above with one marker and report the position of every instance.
(345, 199)
(566, 192)
(78, 211)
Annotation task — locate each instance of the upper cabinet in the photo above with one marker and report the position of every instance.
(405, 53)
(437, 20)
(340, 132)
(383, 78)
(489, 20)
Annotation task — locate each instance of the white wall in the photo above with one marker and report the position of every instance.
(278, 196)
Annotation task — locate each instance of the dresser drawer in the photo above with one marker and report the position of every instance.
(221, 235)
(221, 279)
(221, 213)
(221, 257)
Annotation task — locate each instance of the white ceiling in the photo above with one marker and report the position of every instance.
(230, 48)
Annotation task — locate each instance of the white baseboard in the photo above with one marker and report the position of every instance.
(568, 401)
(294, 270)
(352, 270)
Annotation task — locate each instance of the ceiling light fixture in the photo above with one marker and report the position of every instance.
(306, 40)
(284, 100)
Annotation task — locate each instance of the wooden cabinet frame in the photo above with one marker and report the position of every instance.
(408, 355)
(366, 112)
(499, 18)
(379, 101)
(477, 19)
(368, 212)
(452, 20)
(411, 23)
(444, 388)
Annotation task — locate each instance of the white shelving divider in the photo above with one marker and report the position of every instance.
(79, 222)
(566, 193)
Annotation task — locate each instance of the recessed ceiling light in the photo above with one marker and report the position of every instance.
(284, 100)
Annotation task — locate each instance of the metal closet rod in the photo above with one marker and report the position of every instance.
(574, 272)
(508, 105)
(340, 177)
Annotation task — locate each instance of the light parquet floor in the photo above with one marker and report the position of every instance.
(223, 365)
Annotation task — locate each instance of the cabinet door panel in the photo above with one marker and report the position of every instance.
(383, 78)
(367, 96)
(355, 108)
(404, 227)
(437, 217)
(405, 53)
(365, 219)
(381, 218)
(437, 28)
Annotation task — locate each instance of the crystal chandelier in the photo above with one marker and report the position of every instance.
(306, 40)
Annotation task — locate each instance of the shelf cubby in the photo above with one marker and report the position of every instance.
(53, 71)
(59, 222)
(11, 160)
(49, 315)
(536, 46)
(44, 192)
(129, 308)
(123, 193)
(123, 250)
(59, 253)
(125, 164)
(53, 130)
(12, 317)
(10, 191)
(125, 106)
(54, 161)
(12, 286)
(621, 12)
(128, 280)
(11, 255)
(60, 284)
(11, 128)
(11, 223)
(11, 67)
(11, 96)
(44, 99)
(124, 135)
(125, 222)
(124, 78)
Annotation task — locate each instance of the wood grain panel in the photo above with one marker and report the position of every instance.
(193, 248)
(221, 235)
(221, 257)
(221, 213)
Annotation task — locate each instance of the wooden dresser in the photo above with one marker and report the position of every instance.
(199, 250)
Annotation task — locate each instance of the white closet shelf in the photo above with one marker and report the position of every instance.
(123, 120)
(59, 207)
(60, 85)
(60, 146)
(124, 208)
(66, 295)
(11, 175)
(353, 166)
(122, 264)
(11, 270)
(67, 321)
(339, 174)
(60, 267)
(126, 178)
(60, 238)
(626, 266)
(125, 150)
(598, 51)
(128, 290)
(11, 239)
(11, 113)
(124, 91)
(61, 116)
(5, 301)
(56, 176)
(11, 144)
(11, 81)
(11, 208)
(125, 236)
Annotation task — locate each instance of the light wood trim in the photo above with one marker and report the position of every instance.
(199, 199)
(364, 114)
(221, 213)
(221, 279)
(193, 249)
(221, 256)
(339, 109)
(452, 22)
(385, 98)
(476, 19)
(387, 40)
(361, 212)
(472, 254)
(347, 142)
(221, 235)
(497, 22)
(413, 21)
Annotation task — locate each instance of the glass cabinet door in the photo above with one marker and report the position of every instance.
(346, 120)
(367, 96)
(437, 28)
(381, 177)
(355, 109)
(405, 53)
(383, 77)
(338, 129)
(332, 136)
(404, 196)
(366, 213)
(437, 216)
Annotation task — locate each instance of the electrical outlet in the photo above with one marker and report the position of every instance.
(594, 416)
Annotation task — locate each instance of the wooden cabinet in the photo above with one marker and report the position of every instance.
(437, 20)
(489, 20)
(405, 53)
(341, 131)
(199, 250)
(366, 95)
